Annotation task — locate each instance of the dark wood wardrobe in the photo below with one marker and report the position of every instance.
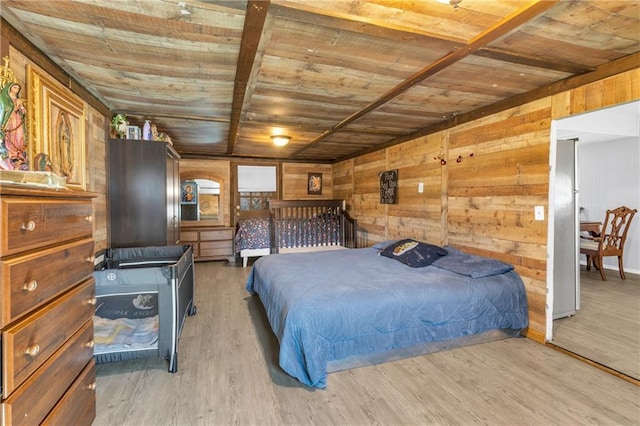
(144, 193)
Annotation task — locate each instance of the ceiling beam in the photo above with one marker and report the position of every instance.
(253, 25)
(507, 56)
(496, 31)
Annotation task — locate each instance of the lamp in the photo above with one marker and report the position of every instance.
(280, 140)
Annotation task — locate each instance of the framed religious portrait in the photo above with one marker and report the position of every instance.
(209, 206)
(314, 182)
(57, 128)
(189, 192)
(133, 132)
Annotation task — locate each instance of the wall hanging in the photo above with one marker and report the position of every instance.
(389, 187)
(314, 184)
(56, 127)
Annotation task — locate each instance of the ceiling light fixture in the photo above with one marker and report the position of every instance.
(183, 8)
(280, 140)
(454, 3)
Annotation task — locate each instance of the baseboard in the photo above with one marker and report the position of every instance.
(602, 367)
(614, 268)
(535, 335)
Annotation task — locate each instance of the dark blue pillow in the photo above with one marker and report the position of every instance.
(414, 253)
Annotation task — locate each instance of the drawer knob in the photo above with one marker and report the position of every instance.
(92, 386)
(33, 350)
(31, 286)
(93, 301)
(88, 218)
(91, 259)
(90, 344)
(28, 226)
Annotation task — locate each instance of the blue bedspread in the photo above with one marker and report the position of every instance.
(327, 306)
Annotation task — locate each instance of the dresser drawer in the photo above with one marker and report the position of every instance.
(28, 343)
(32, 401)
(216, 248)
(29, 223)
(214, 235)
(188, 236)
(30, 280)
(222, 245)
(215, 253)
(77, 406)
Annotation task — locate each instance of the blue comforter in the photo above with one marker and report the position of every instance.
(327, 306)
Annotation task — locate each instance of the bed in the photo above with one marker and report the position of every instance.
(296, 226)
(143, 296)
(337, 310)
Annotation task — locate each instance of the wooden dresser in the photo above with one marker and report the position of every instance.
(209, 242)
(48, 301)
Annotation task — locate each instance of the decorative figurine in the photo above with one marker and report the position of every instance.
(13, 142)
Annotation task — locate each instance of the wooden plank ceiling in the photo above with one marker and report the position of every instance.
(341, 77)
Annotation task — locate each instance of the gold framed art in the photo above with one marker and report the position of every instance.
(314, 183)
(56, 127)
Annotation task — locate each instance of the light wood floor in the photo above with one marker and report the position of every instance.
(228, 375)
(606, 329)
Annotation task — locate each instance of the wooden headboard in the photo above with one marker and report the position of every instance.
(308, 223)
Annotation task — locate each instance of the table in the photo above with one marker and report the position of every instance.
(593, 228)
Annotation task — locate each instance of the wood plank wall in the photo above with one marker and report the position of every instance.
(482, 200)
(96, 149)
(295, 181)
(498, 170)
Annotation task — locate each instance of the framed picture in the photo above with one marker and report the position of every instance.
(314, 182)
(389, 187)
(209, 205)
(133, 132)
(189, 192)
(57, 127)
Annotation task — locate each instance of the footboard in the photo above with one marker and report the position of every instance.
(311, 224)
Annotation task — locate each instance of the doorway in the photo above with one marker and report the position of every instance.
(605, 326)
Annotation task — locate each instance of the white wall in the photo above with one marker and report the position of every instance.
(609, 177)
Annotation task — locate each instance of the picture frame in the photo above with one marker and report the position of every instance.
(209, 205)
(314, 183)
(133, 132)
(389, 187)
(56, 127)
(188, 192)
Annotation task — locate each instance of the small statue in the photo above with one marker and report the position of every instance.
(13, 139)
(42, 163)
(163, 137)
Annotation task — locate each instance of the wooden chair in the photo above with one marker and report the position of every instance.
(611, 240)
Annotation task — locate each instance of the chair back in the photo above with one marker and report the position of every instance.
(614, 231)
